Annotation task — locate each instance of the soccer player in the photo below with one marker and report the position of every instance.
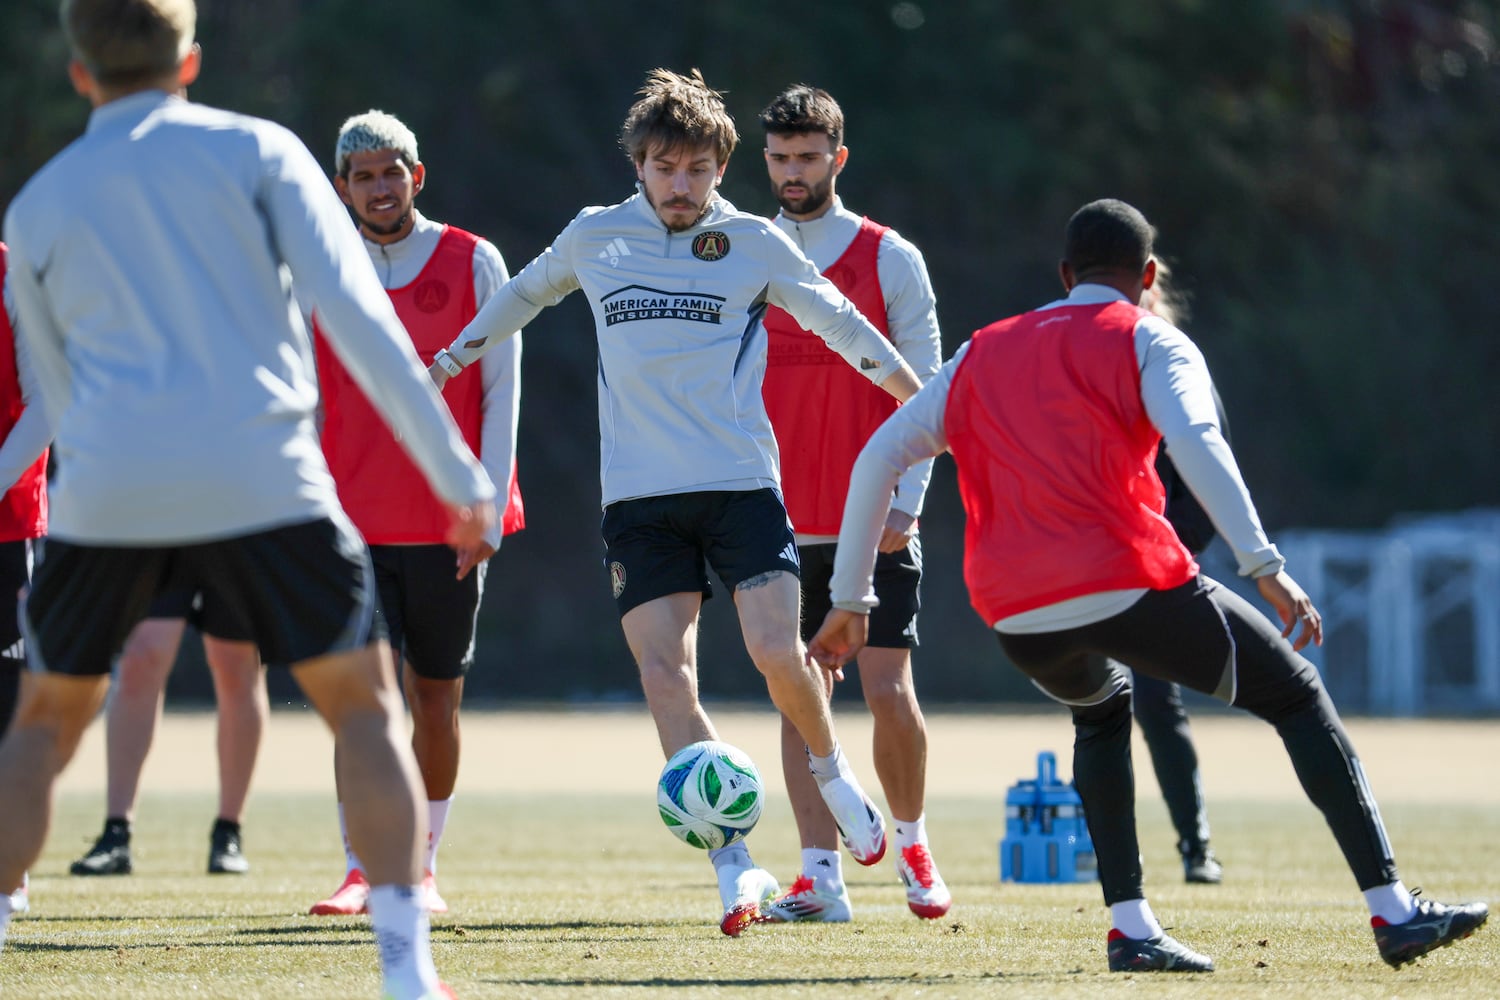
(152, 263)
(437, 276)
(677, 279)
(823, 413)
(135, 707)
(23, 513)
(1157, 704)
(1053, 418)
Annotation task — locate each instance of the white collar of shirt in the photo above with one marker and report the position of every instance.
(1089, 294)
(421, 240)
(131, 107)
(836, 213)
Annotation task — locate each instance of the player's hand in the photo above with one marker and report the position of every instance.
(471, 556)
(900, 527)
(438, 375)
(469, 523)
(839, 640)
(1294, 608)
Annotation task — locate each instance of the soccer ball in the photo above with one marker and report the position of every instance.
(709, 794)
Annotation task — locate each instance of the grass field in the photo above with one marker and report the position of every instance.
(563, 882)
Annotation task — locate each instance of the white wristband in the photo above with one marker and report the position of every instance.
(447, 362)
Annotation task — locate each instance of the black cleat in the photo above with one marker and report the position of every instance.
(224, 854)
(1158, 954)
(110, 854)
(1199, 865)
(1436, 925)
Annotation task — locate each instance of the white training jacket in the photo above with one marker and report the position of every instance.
(682, 353)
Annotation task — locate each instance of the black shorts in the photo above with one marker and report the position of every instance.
(898, 581)
(304, 590)
(429, 614)
(15, 571)
(657, 546)
(203, 607)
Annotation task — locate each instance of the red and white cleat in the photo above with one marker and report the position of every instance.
(926, 893)
(349, 899)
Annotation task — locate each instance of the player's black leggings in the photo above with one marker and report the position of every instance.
(1164, 723)
(1205, 637)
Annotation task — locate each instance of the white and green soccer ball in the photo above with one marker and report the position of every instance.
(709, 794)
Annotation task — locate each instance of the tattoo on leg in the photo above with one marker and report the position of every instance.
(760, 580)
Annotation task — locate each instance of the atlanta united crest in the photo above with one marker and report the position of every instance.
(617, 578)
(711, 246)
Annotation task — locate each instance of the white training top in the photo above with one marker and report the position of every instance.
(682, 353)
(910, 312)
(152, 262)
(1177, 392)
(397, 265)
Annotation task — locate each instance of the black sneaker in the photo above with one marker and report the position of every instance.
(224, 854)
(1436, 925)
(110, 854)
(1158, 954)
(1199, 865)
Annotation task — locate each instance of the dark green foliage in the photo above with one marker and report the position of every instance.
(1322, 173)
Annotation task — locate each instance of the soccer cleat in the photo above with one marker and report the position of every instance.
(927, 894)
(1199, 865)
(811, 900)
(1157, 954)
(347, 900)
(224, 854)
(20, 900)
(430, 896)
(861, 827)
(743, 892)
(110, 854)
(1436, 925)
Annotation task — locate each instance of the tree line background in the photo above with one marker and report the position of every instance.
(1322, 172)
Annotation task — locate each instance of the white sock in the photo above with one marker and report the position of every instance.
(401, 934)
(437, 818)
(825, 769)
(823, 867)
(4, 920)
(1134, 919)
(1391, 903)
(910, 831)
(736, 854)
(350, 861)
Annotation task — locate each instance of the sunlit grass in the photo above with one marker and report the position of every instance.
(591, 897)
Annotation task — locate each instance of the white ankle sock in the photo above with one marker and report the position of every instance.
(1134, 919)
(1392, 903)
(736, 854)
(350, 861)
(401, 933)
(910, 831)
(823, 867)
(825, 769)
(437, 818)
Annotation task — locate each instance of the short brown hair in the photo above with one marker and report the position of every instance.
(676, 111)
(804, 110)
(128, 42)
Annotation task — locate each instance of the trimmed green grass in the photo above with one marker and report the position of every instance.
(557, 897)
